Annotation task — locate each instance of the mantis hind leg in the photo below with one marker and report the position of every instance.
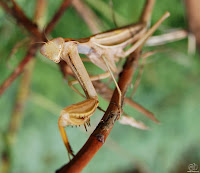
(143, 39)
(92, 78)
(116, 84)
(99, 77)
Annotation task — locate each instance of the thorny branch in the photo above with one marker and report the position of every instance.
(57, 15)
(192, 8)
(18, 70)
(88, 16)
(98, 137)
(19, 15)
(16, 12)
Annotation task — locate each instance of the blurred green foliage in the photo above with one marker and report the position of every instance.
(169, 88)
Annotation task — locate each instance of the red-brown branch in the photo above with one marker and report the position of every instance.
(6, 7)
(57, 16)
(141, 109)
(88, 16)
(100, 134)
(19, 15)
(98, 137)
(30, 54)
(146, 13)
(193, 8)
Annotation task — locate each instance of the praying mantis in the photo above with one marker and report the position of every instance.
(104, 50)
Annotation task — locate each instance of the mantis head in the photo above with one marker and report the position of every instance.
(53, 49)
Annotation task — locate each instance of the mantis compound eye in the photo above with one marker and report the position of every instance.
(53, 49)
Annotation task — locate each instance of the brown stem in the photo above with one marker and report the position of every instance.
(141, 109)
(57, 16)
(30, 54)
(6, 7)
(98, 137)
(193, 8)
(88, 16)
(18, 14)
(148, 8)
(40, 10)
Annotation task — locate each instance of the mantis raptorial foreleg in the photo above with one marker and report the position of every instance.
(79, 113)
(98, 77)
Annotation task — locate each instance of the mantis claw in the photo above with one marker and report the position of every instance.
(85, 127)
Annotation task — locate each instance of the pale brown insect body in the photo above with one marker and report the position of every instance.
(104, 50)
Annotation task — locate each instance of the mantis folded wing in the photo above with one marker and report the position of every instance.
(104, 50)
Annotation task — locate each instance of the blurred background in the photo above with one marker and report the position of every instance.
(169, 88)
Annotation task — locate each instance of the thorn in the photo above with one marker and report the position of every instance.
(100, 138)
